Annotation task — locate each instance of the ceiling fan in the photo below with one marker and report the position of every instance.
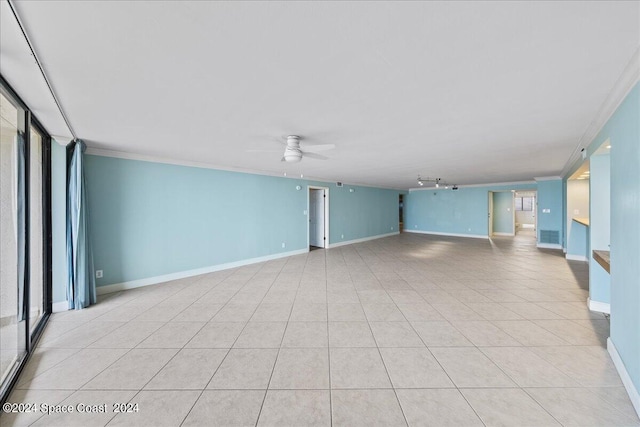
(293, 153)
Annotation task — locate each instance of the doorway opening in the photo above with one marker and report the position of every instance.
(400, 213)
(526, 221)
(502, 213)
(318, 208)
(513, 213)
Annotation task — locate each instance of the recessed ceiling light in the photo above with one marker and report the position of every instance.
(608, 146)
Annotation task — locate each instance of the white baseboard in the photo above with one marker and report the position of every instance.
(600, 307)
(364, 239)
(634, 396)
(60, 306)
(116, 287)
(436, 233)
(549, 245)
(571, 257)
(496, 233)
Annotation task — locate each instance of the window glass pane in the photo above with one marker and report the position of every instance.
(527, 203)
(36, 277)
(12, 324)
(518, 203)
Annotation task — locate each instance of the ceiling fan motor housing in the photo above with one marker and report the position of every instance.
(292, 153)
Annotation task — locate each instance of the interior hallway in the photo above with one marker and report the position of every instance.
(410, 329)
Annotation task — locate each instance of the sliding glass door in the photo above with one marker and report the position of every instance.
(36, 229)
(12, 230)
(25, 243)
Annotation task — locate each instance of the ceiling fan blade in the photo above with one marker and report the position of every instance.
(261, 151)
(319, 147)
(313, 155)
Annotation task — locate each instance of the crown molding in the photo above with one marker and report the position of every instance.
(627, 80)
(492, 184)
(547, 178)
(188, 163)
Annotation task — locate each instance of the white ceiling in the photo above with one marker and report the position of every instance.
(467, 91)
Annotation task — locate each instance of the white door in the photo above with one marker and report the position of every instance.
(316, 218)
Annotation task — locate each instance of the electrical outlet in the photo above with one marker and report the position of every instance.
(283, 244)
(99, 274)
(392, 227)
(304, 212)
(469, 229)
(342, 236)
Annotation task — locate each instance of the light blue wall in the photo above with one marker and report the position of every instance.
(578, 240)
(599, 225)
(623, 132)
(58, 221)
(150, 219)
(551, 197)
(463, 211)
(503, 212)
(365, 212)
(623, 129)
(577, 203)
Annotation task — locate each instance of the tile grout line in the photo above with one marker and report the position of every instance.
(275, 362)
(230, 348)
(404, 416)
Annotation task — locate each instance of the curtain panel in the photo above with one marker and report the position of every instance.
(81, 287)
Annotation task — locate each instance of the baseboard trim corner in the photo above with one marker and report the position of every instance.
(437, 233)
(363, 239)
(600, 307)
(116, 287)
(548, 246)
(571, 257)
(60, 306)
(634, 396)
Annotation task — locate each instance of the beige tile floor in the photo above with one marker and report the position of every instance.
(410, 330)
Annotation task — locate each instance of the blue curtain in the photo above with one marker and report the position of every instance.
(81, 287)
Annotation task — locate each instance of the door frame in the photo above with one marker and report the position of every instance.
(325, 213)
(490, 214)
(513, 213)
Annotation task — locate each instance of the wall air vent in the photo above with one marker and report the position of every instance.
(550, 236)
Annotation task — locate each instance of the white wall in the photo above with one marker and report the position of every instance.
(59, 222)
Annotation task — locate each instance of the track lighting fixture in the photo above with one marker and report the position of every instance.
(438, 183)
